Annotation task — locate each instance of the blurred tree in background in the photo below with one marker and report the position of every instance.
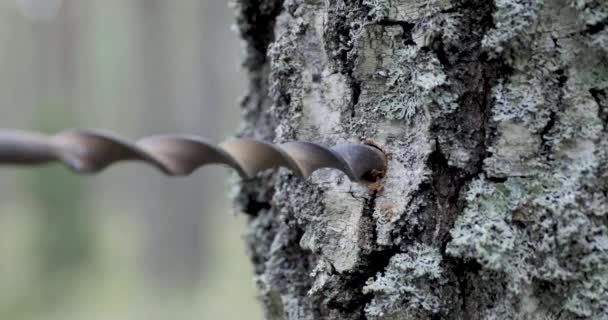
(130, 243)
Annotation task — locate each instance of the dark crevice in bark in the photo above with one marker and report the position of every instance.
(498, 179)
(464, 269)
(449, 182)
(290, 272)
(356, 89)
(372, 264)
(550, 124)
(546, 147)
(561, 77)
(256, 195)
(440, 52)
(407, 28)
(545, 144)
(340, 42)
(353, 301)
(253, 206)
(354, 282)
(445, 188)
(445, 179)
(467, 66)
(443, 192)
(256, 20)
(376, 262)
(370, 206)
(344, 41)
(600, 97)
(597, 27)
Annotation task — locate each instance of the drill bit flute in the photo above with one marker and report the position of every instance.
(90, 151)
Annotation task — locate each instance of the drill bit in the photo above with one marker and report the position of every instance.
(90, 151)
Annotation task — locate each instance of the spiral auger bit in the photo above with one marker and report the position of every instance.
(90, 151)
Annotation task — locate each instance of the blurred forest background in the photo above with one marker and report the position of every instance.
(128, 243)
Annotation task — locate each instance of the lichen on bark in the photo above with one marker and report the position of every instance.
(494, 116)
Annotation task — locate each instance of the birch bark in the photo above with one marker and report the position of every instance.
(494, 115)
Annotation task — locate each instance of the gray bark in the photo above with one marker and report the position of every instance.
(494, 115)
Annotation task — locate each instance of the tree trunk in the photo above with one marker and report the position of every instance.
(494, 116)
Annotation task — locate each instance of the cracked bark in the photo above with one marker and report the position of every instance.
(494, 116)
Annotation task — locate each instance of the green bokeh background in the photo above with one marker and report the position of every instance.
(129, 243)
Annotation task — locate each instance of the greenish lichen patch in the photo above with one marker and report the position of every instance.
(534, 231)
(523, 100)
(484, 232)
(405, 289)
(409, 87)
(516, 22)
(541, 229)
(408, 80)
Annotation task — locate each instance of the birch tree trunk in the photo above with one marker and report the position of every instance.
(494, 115)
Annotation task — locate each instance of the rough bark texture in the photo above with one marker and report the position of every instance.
(494, 114)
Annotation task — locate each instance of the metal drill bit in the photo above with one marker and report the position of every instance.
(90, 151)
